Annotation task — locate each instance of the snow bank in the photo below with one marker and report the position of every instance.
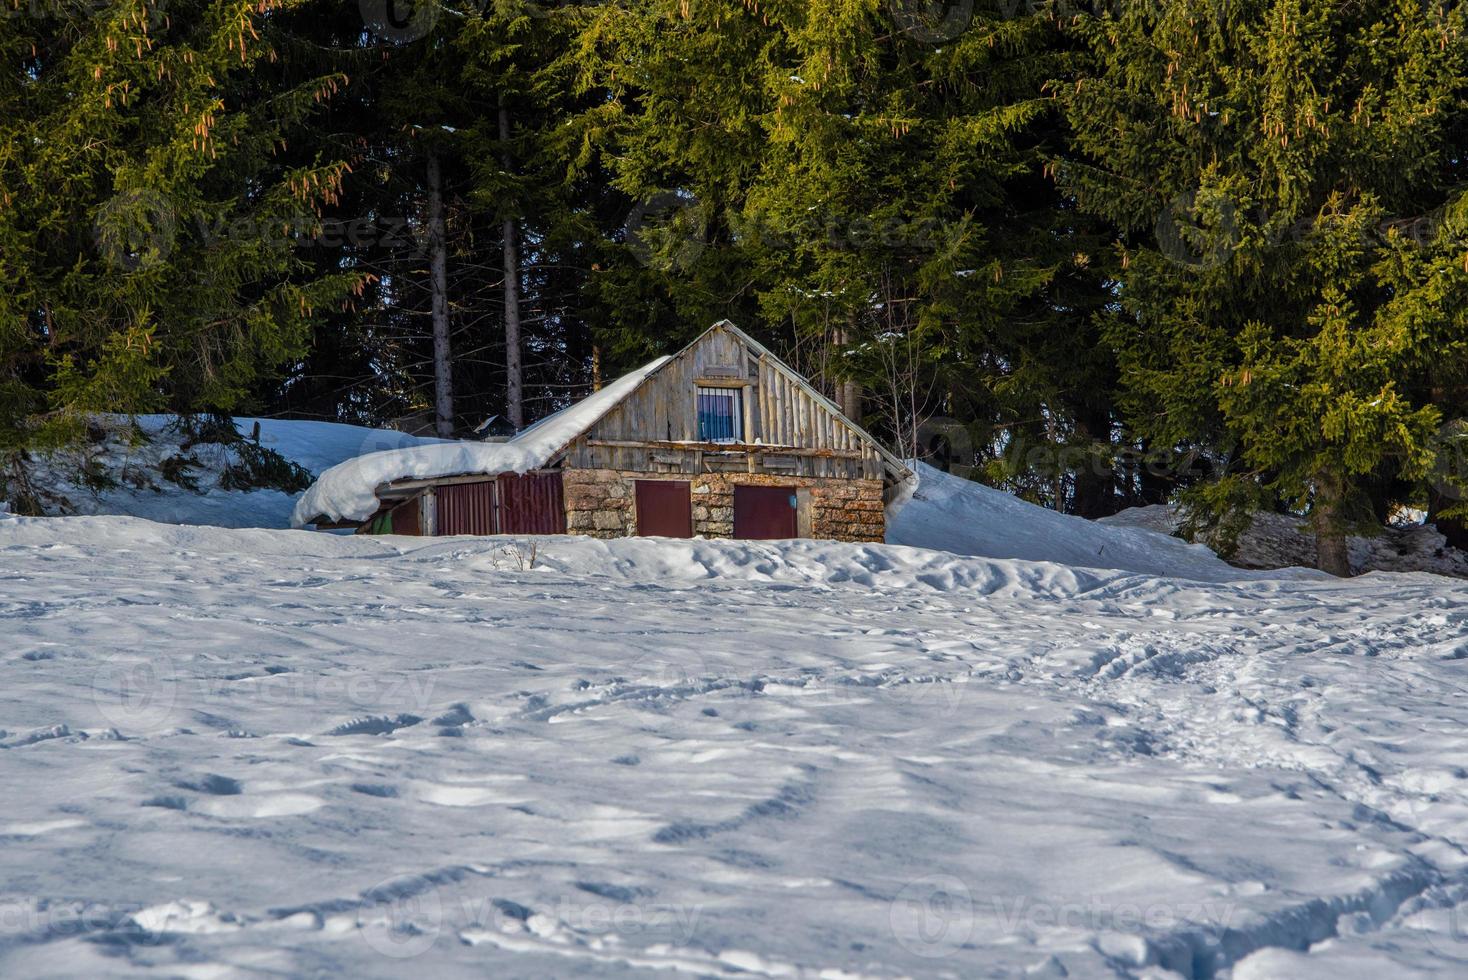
(949, 513)
(348, 491)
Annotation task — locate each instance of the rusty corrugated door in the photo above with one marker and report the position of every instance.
(466, 508)
(531, 504)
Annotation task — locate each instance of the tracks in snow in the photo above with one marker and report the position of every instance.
(1267, 716)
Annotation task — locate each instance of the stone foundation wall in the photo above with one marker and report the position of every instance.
(599, 503)
(602, 503)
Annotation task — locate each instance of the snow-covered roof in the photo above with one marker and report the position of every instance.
(348, 491)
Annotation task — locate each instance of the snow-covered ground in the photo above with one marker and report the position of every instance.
(1076, 750)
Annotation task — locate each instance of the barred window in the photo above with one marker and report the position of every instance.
(720, 415)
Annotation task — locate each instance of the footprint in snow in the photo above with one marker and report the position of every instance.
(458, 714)
(213, 785)
(375, 725)
(616, 893)
(512, 909)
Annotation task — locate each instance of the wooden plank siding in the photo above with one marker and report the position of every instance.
(655, 429)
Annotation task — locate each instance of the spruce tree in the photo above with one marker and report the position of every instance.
(1253, 154)
(867, 191)
(148, 209)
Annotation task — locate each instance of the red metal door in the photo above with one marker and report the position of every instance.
(664, 508)
(466, 508)
(531, 504)
(764, 512)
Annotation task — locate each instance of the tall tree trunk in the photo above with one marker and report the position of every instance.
(438, 265)
(848, 392)
(851, 400)
(1095, 478)
(1332, 553)
(1057, 482)
(1155, 482)
(514, 379)
(1378, 490)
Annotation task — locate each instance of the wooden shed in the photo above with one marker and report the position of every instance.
(722, 439)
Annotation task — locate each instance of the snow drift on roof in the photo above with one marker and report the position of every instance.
(348, 491)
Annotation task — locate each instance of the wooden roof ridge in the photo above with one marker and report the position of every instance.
(897, 467)
(900, 468)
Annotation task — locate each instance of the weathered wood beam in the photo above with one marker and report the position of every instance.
(400, 488)
(726, 447)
